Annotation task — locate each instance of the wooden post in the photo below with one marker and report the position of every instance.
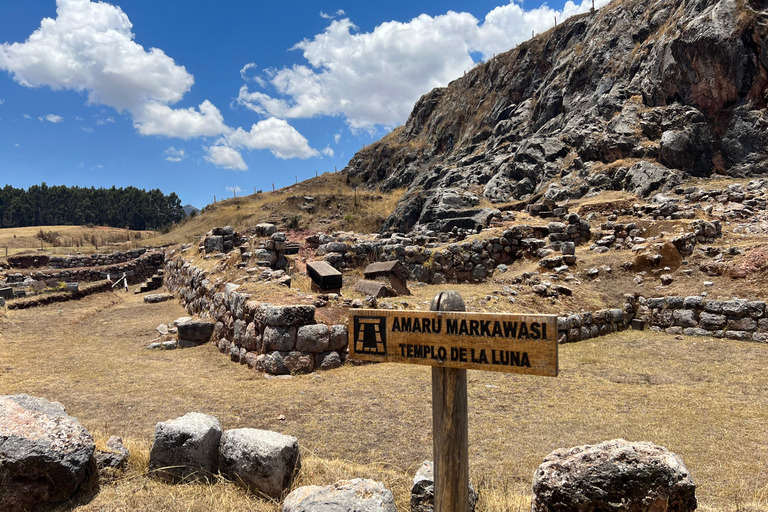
(273, 187)
(450, 435)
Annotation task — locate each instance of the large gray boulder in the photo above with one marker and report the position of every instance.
(617, 475)
(196, 331)
(644, 178)
(356, 495)
(186, 448)
(263, 461)
(45, 454)
(423, 490)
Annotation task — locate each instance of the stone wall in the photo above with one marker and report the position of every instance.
(468, 261)
(269, 338)
(591, 324)
(737, 319)
(137, 270)
(94, 260)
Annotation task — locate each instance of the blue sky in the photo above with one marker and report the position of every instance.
(207, 99)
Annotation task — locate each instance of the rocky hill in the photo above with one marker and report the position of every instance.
(638, 96)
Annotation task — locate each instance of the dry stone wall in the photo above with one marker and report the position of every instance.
(737, 319)
(94, 260)
(269, 338)
(467, 261)
(136, 271)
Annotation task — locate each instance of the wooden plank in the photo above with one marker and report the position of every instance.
(525, 344)
(450, 431)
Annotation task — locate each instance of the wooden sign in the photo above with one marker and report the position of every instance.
(479, 341)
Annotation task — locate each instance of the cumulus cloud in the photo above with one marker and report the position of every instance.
(2, 101)
(103, 121)
(327, 16)
(374, 78)
(51, 118)
(328, 151)
(155, 118)
(89, 47)
(234, 189)
(276, 135)
(225, 157)
(27, 116)
(175, 155)
(87, 129)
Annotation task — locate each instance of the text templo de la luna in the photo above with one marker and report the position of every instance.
(483, 341)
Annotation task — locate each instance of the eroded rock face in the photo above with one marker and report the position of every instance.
(45, 454)
(677, 85)
(616, 475)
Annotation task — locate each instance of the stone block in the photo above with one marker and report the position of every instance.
(711, 322)
(299, 362)
(713, 306)
(328, 360)
(186, 448)
(279, 338)
(313, 338)
(738, 335)
(742, 324)
(374, 288)
(272, 363)
(684, 318)
(356, 495)
(675, 302)
(338, 338)
(756, 308)
(324, 276)
(195, 331)
(735, 307)
(693, 302)
(262, 461)
(282, 316)
(423, 490)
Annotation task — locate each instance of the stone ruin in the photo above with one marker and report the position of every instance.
(384, 279)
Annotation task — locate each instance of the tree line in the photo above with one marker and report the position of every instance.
(130, 207)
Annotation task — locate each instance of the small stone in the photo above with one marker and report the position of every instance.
(666, 279)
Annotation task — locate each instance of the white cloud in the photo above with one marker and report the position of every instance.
(327, 16)
(234, 189)
(327, 151)
(337, 138)
(155, 118)
(175, 155)
(104, 121)
(276, 135)
(51, 118)
(87, 129)
(97, 166)
(2, 101)
(16, 145)
(226, 157)
(374, 78)
(27, 116)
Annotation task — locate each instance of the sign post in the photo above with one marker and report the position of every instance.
(452, 341)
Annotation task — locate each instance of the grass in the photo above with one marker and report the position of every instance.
(336, 206)
(704, 399)
(69, 239)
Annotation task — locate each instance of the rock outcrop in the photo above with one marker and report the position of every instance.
(633, 96)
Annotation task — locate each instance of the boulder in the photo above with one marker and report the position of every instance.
(45, 454)
(616, 475)
(376, 289)
(423, 490)
(195, 331)
(644, 178)
(262, 461)
(284, 316)
(154, 298)
(313, 338)
(115, 456)
(186, 448)
(356, 495)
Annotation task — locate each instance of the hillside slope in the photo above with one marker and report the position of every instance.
(636, 96)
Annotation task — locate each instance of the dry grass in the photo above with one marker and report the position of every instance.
(70, 239)
(704, 399)
(337, 206)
